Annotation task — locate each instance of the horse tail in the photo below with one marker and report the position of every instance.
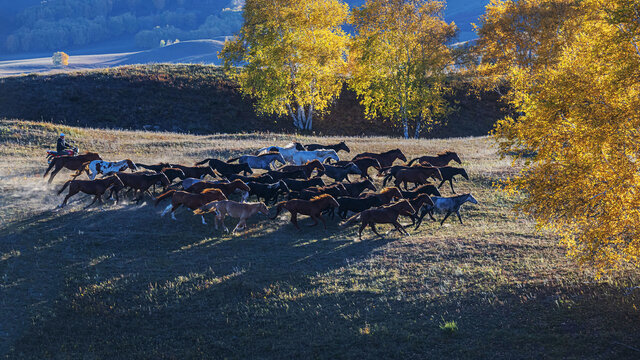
(202, 162)
(51, 164)
(412, 161)
(352, 220)
(386, 179)
(233, 159)
(163, 196)
(64, 186)
(279, 207)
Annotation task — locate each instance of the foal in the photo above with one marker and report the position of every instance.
(313, 208)
(243, 211)
(91, 187)
(382, 215)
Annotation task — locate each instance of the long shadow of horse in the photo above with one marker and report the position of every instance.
(125, 281)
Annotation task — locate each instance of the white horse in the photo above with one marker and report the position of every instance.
(451, 204)
(106, 168)
(286, 152)
(301, 157)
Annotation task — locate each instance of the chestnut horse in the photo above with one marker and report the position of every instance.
(382, 215)
(313, 208)
(70, 162)
(441, 159)
(226, 188)
(307, 168)
(91, 187)
(243, 211)
(386, 158)
(415, 175)
(190, 200)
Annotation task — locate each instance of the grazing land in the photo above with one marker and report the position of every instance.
(120, 281)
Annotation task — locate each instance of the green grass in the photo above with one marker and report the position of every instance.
(121, 282)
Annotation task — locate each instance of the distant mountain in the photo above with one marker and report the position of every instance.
(38, 27)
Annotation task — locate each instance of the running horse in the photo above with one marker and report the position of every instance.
(307, 168)
(312, 208)
(363, 163)
(91, 187)
(286, 152)
(243, 211)
(340, 173)
(106, 168)
(417, 175)
(359, 204)
(225, 168)
(262, 161)
(336, 147)
(226, 188)
(385, 159)
(198, 172)
(441, 159)
(190, 200)
(139, 182)
(381, 215)
(74, 163)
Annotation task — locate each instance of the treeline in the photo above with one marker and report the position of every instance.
(57, 24)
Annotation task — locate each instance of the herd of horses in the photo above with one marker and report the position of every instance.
(291, 180)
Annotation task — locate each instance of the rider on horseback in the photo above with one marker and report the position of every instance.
(62, 145)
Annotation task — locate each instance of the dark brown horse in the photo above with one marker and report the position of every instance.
(382, 215)
(307, 168)
(190, 200)
(367, 201)
(386, 158)
(312, 208)
(441, 159)
(91, 187)
(416, 175)
(139, 182)
(74, 163)
(336, 147)
(226, 188)
(197, 172)
(363, 164)
(356, 188)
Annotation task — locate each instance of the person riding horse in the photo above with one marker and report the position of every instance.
(62, 145)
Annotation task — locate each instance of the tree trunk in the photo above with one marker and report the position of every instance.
(405, 122)
(310, 117)
(419, 122)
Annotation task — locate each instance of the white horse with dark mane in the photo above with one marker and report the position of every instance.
(106, 168)
(301, 157)
(286, 151)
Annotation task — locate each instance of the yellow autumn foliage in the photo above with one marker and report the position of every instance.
(575, 88)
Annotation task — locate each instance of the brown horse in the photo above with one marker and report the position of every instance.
(190, 200)
(70, 162)
(363, 164)
(91, 187)
(355, 188)
(382, 215)
(386, 158)
(418, 202)
(441, 159)
(139, 182)
(307, 168)
(243, 211)
(226, 188)
(313, 208)
(416, 175)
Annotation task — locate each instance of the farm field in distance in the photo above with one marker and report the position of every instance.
(116, 280)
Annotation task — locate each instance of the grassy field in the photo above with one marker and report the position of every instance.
(121, 282)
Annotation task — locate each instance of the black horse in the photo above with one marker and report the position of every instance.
(337, 147)
(448, 172)
(340, 173)
(225, 168)
(279, 175)
(263, 179)
(268, 192)
(299, 185)
(356, 188)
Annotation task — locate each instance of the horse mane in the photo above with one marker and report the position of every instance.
(320, 197)
(389, 188)
(209, 190)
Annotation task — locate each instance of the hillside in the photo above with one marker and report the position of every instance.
(200, 99)
(120, 281)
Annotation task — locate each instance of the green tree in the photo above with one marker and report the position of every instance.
(293, 55)
(399, 59)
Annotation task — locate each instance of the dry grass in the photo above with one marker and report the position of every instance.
(122, 282)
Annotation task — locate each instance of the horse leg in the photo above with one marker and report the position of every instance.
(93, 202)
(294, 219)
(400, 227)
(324, 223)
(459, 218)
(373, 227)
(362, 226)
(242, 224)
(451, 184)
(445, 217)
(55, 171)
(443, 181)
(315, 221)
(70, 194)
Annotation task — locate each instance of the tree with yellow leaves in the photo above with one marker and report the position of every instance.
(398, 60)
(578, 122)
(292, 56)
